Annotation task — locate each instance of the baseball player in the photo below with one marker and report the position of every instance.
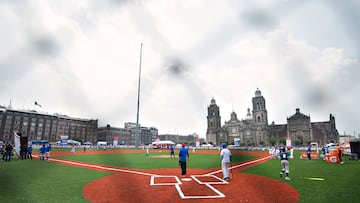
(284, 159)
(225, 156)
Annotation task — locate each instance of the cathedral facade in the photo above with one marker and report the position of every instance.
(255, 130)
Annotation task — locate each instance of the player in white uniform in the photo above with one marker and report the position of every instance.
(225, 155)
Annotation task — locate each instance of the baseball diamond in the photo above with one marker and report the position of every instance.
(164, 185)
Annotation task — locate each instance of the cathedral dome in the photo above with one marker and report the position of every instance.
(213, 101)
(248, 115)
(257, 93)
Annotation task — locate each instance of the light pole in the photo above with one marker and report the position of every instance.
(138, 105)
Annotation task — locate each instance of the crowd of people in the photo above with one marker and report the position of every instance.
(7, 151)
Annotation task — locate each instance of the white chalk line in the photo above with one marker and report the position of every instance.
(100, 167)
(178, 181)
(240, 165)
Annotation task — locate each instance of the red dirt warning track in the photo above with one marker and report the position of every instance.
(133, 185)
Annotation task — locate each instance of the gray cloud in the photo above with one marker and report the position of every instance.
(46, 46)
(258, 19)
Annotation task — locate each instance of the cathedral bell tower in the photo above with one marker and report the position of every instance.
(213, 122)
(260, 120)
(259, 109)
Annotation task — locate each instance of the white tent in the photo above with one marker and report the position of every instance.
(74, 142)
(158, 142)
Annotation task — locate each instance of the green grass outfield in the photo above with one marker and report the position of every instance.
(141, 161)
(42, 181)
(341, 181)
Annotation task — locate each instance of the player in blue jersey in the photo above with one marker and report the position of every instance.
(183, 154)
(47, 151)
(42, 152)
(172, 154)
(284, 159)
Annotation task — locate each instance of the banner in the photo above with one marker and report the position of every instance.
(237, 142)
(288, 142)
(116, 140)
(17, 144)
(157, 140)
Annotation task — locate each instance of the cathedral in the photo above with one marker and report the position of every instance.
(255, 130)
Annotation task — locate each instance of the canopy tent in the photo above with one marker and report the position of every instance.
(165, 142)
(87, 143)
(68, 142)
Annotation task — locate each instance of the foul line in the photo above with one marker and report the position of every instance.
(99, 167)
(240, 165)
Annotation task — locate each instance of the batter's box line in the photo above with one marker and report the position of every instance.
(221, 181)
(194, 177)
(152, 180)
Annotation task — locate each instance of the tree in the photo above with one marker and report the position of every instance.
(272, 141)
(297, 142)
(282, 141)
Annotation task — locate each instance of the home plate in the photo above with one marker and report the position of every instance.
(186, 179)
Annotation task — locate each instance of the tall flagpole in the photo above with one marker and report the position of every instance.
(138, 105)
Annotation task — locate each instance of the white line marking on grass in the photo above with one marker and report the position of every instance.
(240, 165)
(99, 167)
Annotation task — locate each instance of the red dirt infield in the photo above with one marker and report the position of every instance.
(165, 185)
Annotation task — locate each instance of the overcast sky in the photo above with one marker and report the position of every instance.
(81, 58)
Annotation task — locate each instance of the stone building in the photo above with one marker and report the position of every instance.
(189, 139)
(255, 130)
(42, 126)
(109, 134)
(127, 135)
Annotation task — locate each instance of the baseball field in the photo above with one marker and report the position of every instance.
(128, 175)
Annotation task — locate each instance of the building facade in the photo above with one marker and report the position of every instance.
(255, 130)
(127, 135)
(188, 139)
(42, 126)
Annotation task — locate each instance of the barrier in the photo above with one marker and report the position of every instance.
(332, 156)
(313, 155)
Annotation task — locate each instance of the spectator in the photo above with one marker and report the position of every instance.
(42, 152)
(47, 151)
(8, 151)
(29, 152)
(308, 151)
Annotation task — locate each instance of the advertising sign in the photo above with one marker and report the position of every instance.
(288, 142)
(237, 142)
(197, 142)
(116, 140)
